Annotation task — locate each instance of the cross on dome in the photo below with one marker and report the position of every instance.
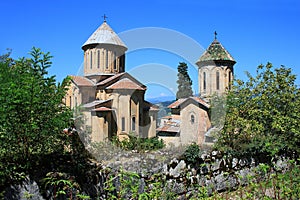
(104, 17)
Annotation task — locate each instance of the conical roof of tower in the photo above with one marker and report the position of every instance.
(216, 52)
(104, 35)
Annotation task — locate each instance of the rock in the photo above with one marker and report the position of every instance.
(214, 153)
(29, 189)
(244, 176)
(235, 162)
(178, 169)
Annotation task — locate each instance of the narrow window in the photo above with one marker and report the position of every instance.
(204, 81)
(91, 64)
(115, 61)
(103, 60)
(133, 124)
(229, 80)
(98, 59)
(123, 123)
(85, 59)
(70, 98)
(192, 119)
(218, 80)
(106, 60)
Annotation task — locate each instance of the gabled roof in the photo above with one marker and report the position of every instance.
(216, 52)
(104, 35)
(82, 81)
(179, 102)
(122, 81)
(126, 84)
(95, 103)
(111, 79)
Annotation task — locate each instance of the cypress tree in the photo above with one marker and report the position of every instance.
(184, 82)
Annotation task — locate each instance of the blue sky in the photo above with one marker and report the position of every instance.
(253, 31)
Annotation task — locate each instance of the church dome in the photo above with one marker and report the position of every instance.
(104, 35)
(216, 52)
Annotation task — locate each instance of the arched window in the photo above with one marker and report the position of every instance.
(91, 62)
(218, 80)
(204, 81)
(98, 59)
(192, 119)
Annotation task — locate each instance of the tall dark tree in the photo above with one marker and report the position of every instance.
(184, 82)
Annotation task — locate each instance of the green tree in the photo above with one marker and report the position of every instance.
(32, 115)
(262, 117)
(4, 57)
(184, 82)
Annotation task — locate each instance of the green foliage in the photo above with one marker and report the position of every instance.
(32, 116)
(6, 57)
(62, 185)
(192, 154)
(138, 144)
(217, 111)
(262, 118)
(184, 82)
(266, 184)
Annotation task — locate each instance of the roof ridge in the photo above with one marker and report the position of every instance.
(82, 81)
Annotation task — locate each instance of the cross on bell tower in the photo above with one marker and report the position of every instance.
(104, 17)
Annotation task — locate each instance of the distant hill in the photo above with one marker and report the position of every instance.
(161, 99)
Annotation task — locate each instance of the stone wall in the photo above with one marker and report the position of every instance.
(214, 171)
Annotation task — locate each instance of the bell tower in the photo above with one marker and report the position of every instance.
(215, 70)
(104, 52)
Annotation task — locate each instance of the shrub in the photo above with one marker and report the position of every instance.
(192, 154)
(139, 144)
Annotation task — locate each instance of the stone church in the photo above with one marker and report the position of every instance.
(112, 100)
(189, 120)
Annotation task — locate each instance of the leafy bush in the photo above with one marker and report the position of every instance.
(32, 116)
(192, 154)
(139, 144)
(261, 118)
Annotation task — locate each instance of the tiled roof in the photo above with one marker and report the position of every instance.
(105, 81)
(201, 101)
(82, 81)
(125, 83)
(102, 109)
(177, 103)
(174, 117)
(95, 103)
(172, 125)
(104, 35)
(169, 128)
(216, 52)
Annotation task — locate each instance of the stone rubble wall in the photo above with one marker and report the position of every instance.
(214, 171)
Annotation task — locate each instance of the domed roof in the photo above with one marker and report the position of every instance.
(104, 35)
(216, 52)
